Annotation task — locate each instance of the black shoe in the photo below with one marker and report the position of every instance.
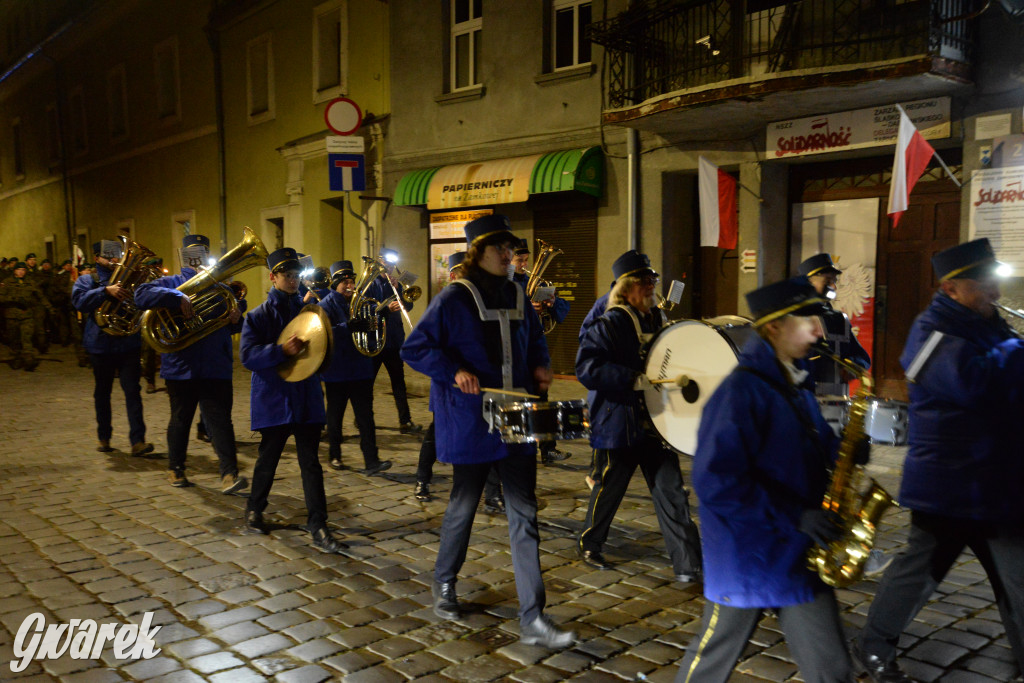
(542, 632)
(30, 366)
(381, 466)
(422, 492)
(254, 523)
(410, 428)
(336, 464)
(324, 542)
(594, 558)
(877, 670)
(689, 577)
(553, 455)
(446, 603)
(202, 435)
(494, 504)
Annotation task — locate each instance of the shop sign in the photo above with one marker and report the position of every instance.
(858, 129)
(997, 212)
(502, 181)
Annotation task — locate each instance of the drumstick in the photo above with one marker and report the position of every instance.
(682, 380)
(506, 392)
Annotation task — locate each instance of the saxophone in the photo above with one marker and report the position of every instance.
(842, 563)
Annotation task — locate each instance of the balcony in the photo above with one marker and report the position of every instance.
(698, 65)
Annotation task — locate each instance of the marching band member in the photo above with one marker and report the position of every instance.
(828, 378)
(963, 471)
(386, 286)
(281, 409)
(111, 355)
(479, 332)
(558, 308)
(761, 472)
(198, 375)
(609, 364)
(349, 375)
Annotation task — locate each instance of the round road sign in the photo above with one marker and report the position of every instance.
(343, 116)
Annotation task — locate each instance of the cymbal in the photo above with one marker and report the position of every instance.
(313, 326)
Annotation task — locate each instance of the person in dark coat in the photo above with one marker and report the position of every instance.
(480, 332)
(281, 409)
(349, 375)
(111, 355)
(610, 365)
(760, 471)
(20, 295)
(198, 376)
(821, 272)
(963, 471)
(384, 287)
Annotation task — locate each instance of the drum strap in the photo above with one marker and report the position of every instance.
(503, 316)
(644, 337)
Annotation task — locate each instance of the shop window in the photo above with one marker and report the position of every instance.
(330, 47)
(260, 79)
(569, 45)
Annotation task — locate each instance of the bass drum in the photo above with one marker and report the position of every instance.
(705, 351)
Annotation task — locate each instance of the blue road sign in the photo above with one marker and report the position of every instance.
(347, 172)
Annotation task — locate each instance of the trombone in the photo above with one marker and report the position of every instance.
(1016, 313)
(411, 293)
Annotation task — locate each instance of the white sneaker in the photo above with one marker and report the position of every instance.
(877, 562)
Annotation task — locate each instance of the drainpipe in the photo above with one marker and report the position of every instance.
(632, 186)
(218, 88)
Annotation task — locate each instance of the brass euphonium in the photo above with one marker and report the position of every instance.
(368, 343)
(547, 254)
(212, 300)
(842, 563)
(122, 318)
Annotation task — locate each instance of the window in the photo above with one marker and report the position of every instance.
(117, 103)
(76, 111)
(17, 149)
(165, 61)
(569, 46)
(330, 47)
(467, 23)
(259, 56)
(53, 143)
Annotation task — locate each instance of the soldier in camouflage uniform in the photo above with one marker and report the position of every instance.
(20, 296)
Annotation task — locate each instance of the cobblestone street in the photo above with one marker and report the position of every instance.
(88, 535)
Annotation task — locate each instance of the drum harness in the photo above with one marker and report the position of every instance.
(503, 316)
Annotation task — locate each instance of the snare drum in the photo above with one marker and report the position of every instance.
(531, 422)
(885, 421)
(705, 352)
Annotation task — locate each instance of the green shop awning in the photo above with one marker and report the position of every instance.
(502, 181)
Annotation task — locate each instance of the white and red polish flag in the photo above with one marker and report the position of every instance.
(719, 225)
(912, 156)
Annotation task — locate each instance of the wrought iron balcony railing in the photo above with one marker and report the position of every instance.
(661, 46)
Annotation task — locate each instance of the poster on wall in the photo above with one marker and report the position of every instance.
(848, 230)
(447, 236)
(997, 212)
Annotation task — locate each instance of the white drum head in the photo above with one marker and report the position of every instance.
(703, 353)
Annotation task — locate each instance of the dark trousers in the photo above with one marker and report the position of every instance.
(360, 392)
(20, 332)
(148, 364)
(390, 359)
(428, 456)
(661, 471)
(545, 446)
(214, 397)
(307, 442)
(104, 367)
(814, 635)
(518, 474)
(934, 544)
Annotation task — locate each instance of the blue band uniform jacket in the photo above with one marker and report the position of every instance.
(275, 402)
(87, 295)
(757, 467)
(209, 358)
(450, 336)
(966, 380)
(348, 364)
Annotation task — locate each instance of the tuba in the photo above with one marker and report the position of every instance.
(122, 318)
(842, 563)
(212, 300)
(368, 343)
(547, 254)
